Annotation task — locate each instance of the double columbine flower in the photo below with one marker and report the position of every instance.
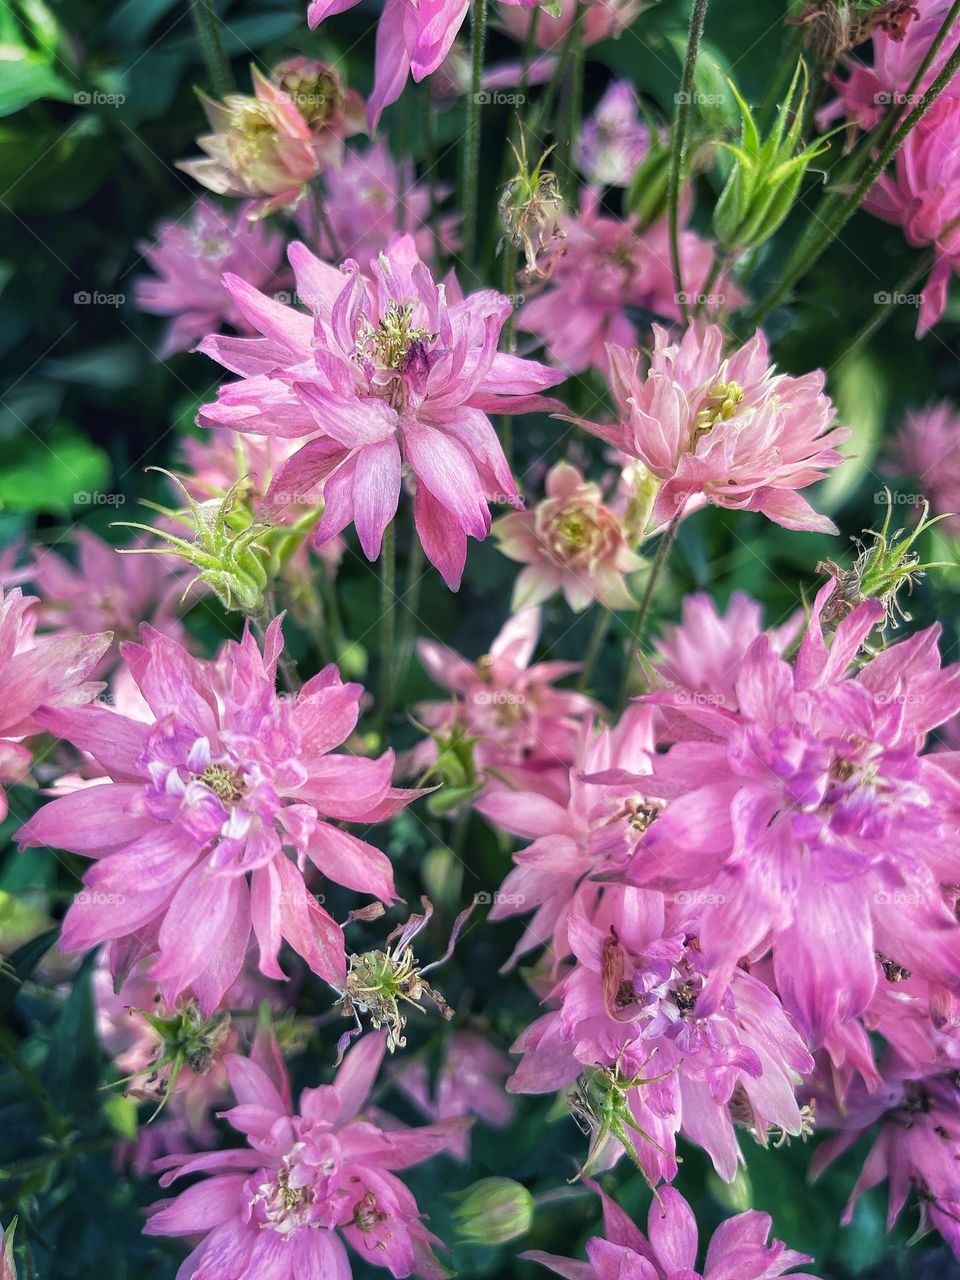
(727, 430)
(307, 1182)
(212, 811)
(387, 371)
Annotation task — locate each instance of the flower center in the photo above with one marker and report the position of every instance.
(571, 533)
(285, 1208)
(388, 346)
(720, 404)
(227, 785)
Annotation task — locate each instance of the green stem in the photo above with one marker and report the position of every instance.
(388, 626)
(836, 210)
(320, 221)
(884, 310)
(207, 26)
(471, 148)
(597, 637)
(574, 104)
(678, 146)
(331, 609)
(636, 633)
(721, 260)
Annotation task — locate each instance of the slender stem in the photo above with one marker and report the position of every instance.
(721, 260)
(640, 618)
(320, 221)
(836, 210)
(884, 310)
(331, 609)
(388, 625)
(411, 599)
(574, 104)
(207, 26)
(597, 637)
(471, 149)
(509, 284)
(678, 147)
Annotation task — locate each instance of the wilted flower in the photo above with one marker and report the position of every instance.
(613, 141)
(727, 430)
(190, 258)
(307, 1182)
(738, 1250)
(261, 148)
(570, 542)
(332, 111)
(193, 834)
(391, 370)
(530, 206)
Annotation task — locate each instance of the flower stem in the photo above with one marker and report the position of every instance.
(207, 26)
(573, 103)
(597, 637)
(388, 626)
(471, 149)
(836, 209)
(883, 311)
(636, 632)
(678, 146)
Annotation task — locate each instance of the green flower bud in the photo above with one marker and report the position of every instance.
(530, 209)
(493, 1211)
(766, 173)
(647, 194)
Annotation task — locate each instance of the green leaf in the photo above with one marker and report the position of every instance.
(25, 81)
(48, 475)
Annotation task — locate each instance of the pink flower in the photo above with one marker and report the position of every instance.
(332, 111)
(413, 38)
(632, 1003)
(602, 19)
(607, 270)
(192, 835)
(929, 448)
(190, 259)
(105, 591)
(727, 430)
(613, 140)
(35, 672)
(813, 820)
(571, 542)
(260, 148)
(526, 728)
(737, 1251)
(307, 1181)
(373, 197)
(703, 655)
(391, 370)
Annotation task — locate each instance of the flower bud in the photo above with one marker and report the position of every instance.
(530, 208)
(766, 172)
(8, 1265)
(647, 194)
(493, 1211)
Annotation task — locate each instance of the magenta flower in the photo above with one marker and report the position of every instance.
(190, 258)
(726, 430)
(526, 729)
(372, 197)
(193, 834)
(35, 672)
(929, 448)
(307, 1181)
(608, 269)
(813, 820)
(738, 1249)
(632, 1003)
(570, 542)
(613, 140)
(392, 370)
(469, 1083)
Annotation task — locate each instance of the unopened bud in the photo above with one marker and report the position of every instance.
(647, 194)
(493, 1211)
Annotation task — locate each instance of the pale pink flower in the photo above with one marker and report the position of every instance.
(332, 111)
(607, 270)
(738, 1249)
(526, 728)
(570, 542)
(193, 835)
(613, 140)
(392, 370)
(929, 448)
(723, 429)
(190, 257)
(602, 19)
(261, 148)
(306, 1182)
(37, 671)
